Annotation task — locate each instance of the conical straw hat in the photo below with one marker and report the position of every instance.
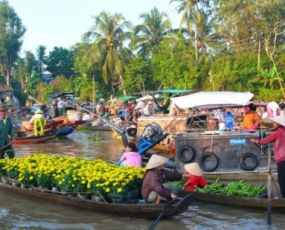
(194, 169)
(156, 161)
(38, 111)
(278, 119)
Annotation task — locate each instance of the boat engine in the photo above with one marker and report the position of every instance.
(152, 132)
(151, 135)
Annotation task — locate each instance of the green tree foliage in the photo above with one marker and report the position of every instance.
(41, 58)
(138, 76)
(11, 33)
(228, 45)
(60, 61)
(173, 64)
(151, 32)
(31, 83)
(107, 39)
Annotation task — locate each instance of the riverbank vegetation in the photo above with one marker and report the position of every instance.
(220, 45)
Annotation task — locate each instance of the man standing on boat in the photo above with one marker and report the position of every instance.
(6, 131)
(61, 107)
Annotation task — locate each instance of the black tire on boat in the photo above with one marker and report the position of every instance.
(243, 161)
(185, 153)
(211, 164)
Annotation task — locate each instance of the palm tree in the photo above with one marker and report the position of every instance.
(109, 34)
(151, 32)
(191, 16)
(41, 58)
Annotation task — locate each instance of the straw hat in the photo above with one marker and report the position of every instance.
(278, 119)
(156, 161)
(194, 169)
(38, 111)
(3, 108)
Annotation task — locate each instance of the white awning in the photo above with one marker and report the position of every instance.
(222, 99)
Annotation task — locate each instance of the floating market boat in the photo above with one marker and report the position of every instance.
(34, 139)
(220, 151)
(61, 131)
(95, 128)
(245, 202)
(133, 210)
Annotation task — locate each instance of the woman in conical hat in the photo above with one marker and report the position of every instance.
(195, 179)
(154, 185)
(278, 140)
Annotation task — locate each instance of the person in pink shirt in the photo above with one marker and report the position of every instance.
(131, 156)
(278, 140)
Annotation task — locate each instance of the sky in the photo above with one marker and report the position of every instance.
(62, 23)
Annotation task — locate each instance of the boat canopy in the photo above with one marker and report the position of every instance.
(174, 91)
(125, 98)
(212, 99)
(177, 91)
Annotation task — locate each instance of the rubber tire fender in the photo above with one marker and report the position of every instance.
(202, 159)
(181, 156)
(248, 155)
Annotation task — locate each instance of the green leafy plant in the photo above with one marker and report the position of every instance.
(95, 138)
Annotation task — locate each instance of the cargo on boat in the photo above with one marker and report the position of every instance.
(245, 202)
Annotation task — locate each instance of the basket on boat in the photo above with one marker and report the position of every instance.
(74, 115)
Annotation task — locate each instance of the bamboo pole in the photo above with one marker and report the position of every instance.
(269, 187)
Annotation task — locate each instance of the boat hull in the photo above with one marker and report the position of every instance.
(129, 210)
(95, 128)
(245, 202)
(34, 139)
(62, 131)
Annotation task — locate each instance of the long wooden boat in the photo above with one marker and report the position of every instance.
(137, 210)
(34, 139)
(95, 128)
(245, 202)
(61, 131)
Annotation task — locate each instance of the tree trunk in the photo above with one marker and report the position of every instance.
(258, 55)
(124, 90)
(6, 74)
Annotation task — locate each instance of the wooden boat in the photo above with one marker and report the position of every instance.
(95, 128)
(61, 131)
(245, 202)
(34, 139)
(134, 210)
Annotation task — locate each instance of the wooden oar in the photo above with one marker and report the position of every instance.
(166, 207)
(272, 176)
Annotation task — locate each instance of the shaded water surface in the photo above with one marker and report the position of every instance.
(20, 212)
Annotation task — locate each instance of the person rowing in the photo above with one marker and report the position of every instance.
(155, 187)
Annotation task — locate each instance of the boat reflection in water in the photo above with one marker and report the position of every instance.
(20, 212)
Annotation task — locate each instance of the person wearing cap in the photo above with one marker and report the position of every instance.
(39, 121)
(6, 132)
(195, 179)
(154, 186)
(278, 140)
(131, 157)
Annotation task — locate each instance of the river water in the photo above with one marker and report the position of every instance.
(19, 212)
